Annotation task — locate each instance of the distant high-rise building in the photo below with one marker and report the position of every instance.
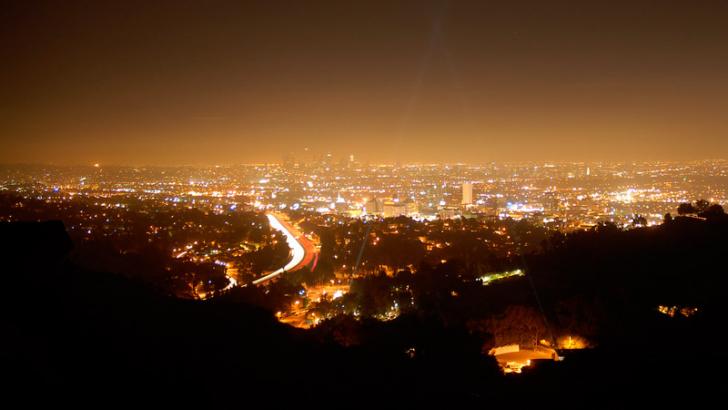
(411, 207)
(467, 193)
(374, 207)
(448, 212)
(392, 209)
(289, 161)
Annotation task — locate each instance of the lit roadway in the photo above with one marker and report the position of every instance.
(302, 249)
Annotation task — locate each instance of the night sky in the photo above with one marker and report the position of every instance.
(212, 82)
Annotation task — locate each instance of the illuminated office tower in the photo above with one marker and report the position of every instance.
(467, 193)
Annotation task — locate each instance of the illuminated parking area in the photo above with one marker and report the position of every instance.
(513, 358)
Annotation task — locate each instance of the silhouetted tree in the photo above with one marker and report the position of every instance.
(639, 220)
(518, 325)
(713, 211)
(686, 209)
(607, 227)
(701, 205)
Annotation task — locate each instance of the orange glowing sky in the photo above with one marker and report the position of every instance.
(190, 82)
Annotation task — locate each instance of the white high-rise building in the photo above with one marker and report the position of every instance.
(467, 193)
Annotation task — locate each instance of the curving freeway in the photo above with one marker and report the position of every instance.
(302, 250)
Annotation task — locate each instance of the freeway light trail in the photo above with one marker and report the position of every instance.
(296, 249)
(231, 283)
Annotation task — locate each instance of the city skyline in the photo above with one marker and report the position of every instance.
(567, 195)
(309, 158)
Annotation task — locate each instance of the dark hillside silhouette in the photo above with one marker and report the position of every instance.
(77, 335)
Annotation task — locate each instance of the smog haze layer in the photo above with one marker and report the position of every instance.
(186, 82)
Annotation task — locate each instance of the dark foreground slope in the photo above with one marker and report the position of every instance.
(73, 336)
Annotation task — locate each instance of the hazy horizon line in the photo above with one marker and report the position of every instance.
(369, 163)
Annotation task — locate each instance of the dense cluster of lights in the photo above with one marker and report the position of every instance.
(566, 195)
(492, 277)
(672, 311)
